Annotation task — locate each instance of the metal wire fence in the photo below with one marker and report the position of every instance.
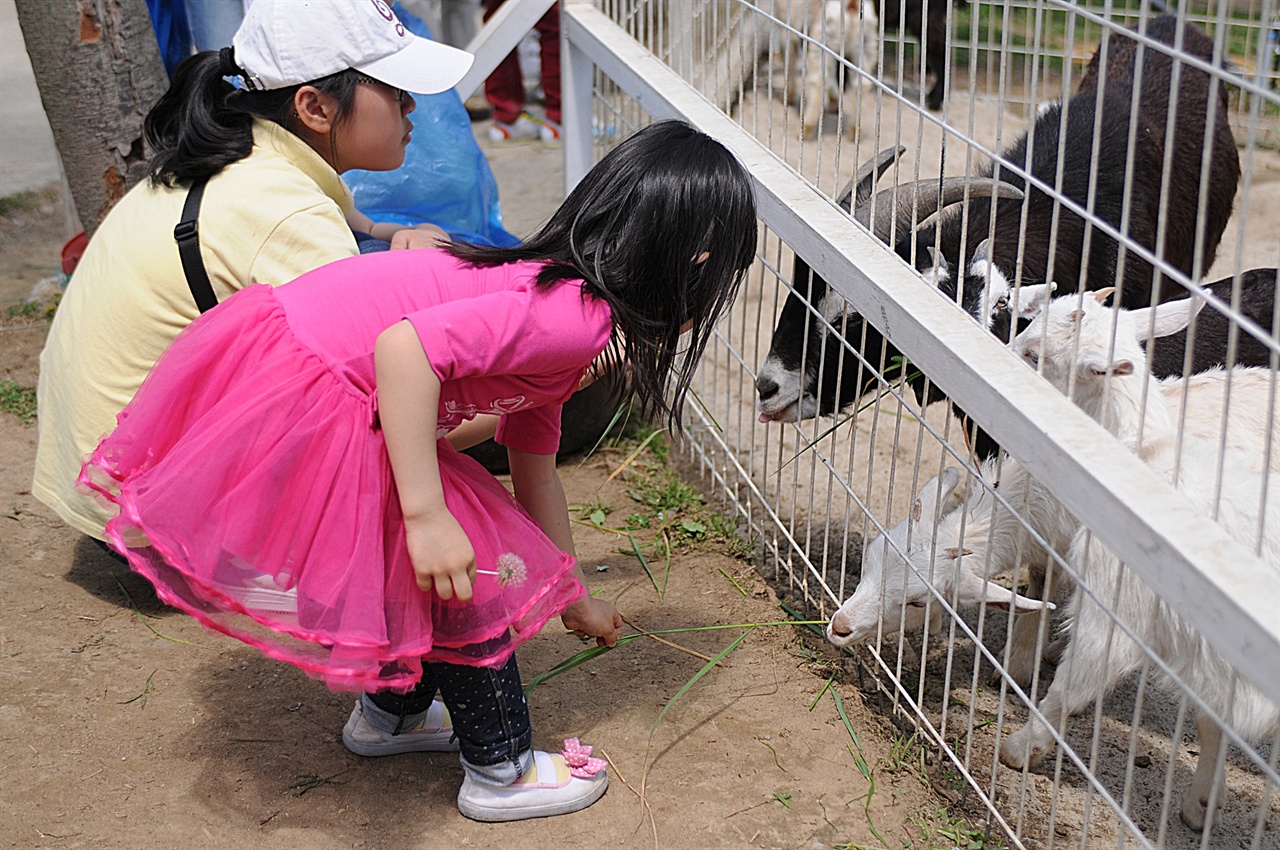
(869, 354)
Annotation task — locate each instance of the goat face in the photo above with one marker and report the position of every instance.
(888, 592)
(1076, 342)
(892, 590)
(810, 370)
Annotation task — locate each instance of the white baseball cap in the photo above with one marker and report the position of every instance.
(289, 42)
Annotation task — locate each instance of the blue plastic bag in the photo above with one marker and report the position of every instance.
(445, 179)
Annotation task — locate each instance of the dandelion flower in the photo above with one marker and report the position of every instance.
(511, 570)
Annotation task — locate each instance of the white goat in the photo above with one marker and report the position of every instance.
(996, 542)
(831, 30)
(1071, 343)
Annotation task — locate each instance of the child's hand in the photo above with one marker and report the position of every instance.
(442, 556)
(595, 618)
(421, 236)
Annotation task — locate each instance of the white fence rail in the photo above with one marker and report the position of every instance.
(812, 494)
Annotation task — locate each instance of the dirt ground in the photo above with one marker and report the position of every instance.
(123, 724)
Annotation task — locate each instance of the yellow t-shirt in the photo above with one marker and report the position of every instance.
(277, 213)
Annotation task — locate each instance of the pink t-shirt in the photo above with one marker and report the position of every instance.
(498, 344)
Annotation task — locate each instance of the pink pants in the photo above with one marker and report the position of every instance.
(505, 87)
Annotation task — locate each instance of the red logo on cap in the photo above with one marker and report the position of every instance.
(385, 11)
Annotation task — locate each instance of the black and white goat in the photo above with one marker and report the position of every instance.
(1015, 232)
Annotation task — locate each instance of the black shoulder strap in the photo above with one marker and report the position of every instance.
(188, 236)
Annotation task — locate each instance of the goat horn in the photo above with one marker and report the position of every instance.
(1103, 294)
(895, 209)
(858, 191)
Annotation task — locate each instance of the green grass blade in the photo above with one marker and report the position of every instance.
(732, 581)
(591, 652)
(644, 563)
(860, 759)
(644, 444)
(811, 625)
(624, 410)
(567, 665)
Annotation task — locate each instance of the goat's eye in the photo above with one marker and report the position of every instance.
(1032, 357)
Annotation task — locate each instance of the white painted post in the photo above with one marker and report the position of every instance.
(577, 77)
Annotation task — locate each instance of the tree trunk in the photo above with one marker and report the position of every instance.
(98, 69)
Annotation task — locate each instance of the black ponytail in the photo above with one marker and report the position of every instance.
(190, 129)
(202, 123)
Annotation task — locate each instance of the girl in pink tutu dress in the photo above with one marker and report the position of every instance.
(282, 474)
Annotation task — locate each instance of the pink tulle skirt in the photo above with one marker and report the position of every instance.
(254, 491)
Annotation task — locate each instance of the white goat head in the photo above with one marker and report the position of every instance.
(889, 591)
(926, 549)
(1076, 341)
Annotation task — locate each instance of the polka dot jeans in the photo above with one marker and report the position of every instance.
(488, 709)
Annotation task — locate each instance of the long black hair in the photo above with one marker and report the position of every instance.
(202, 123)
(634, 230)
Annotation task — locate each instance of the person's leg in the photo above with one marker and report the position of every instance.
(368, 244)
(386, 723)
(549, 51)
(504, 88)
(504, 778)
(214, 22)
(458, 22)
(490, 718)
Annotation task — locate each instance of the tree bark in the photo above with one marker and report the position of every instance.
(98, 69)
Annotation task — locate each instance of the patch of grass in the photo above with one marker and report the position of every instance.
(907, 756)
(27, 310)
(26, 201)
(18, 399)
(671, 514)
(942, 830)
(595, 512)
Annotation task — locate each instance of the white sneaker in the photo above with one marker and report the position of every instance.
(432, 734)
(524, 129)
(256, 591)
(550, 787)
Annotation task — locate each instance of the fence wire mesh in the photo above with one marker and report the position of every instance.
(1080, 700)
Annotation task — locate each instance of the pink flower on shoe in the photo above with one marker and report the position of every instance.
(578, 756)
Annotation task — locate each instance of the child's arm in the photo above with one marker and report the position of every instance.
(399, 235)
(539, 490)
(408, 402)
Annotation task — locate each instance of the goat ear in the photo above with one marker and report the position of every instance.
(974, 589)
(1030, 300)
(952, 552)
(1095, 364)
(1101, 295)
(938, 490)
(852, 6)
(1164, 319)
(1006, 600)
(982, 253)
